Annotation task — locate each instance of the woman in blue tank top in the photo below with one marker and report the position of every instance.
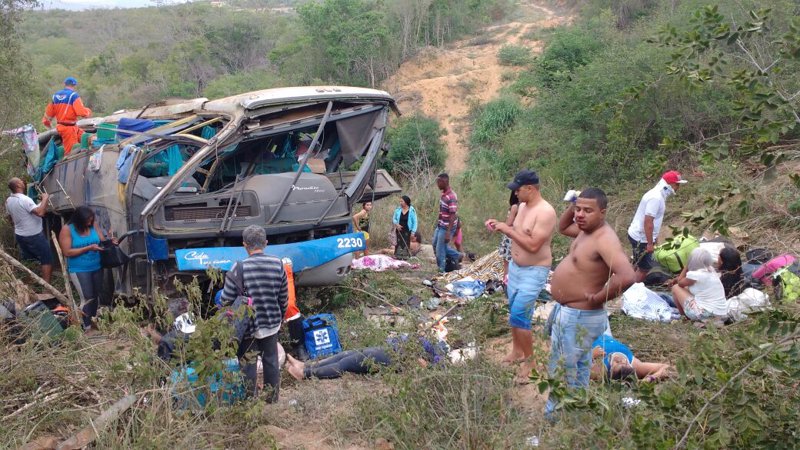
(613, 360)
(80, 243)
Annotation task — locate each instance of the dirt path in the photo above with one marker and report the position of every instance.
(444, 83)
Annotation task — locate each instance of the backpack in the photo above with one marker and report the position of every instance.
(765, 272)
(321, 335)
(657, 276)
(787, 283)
(674, 255)
(240, 313)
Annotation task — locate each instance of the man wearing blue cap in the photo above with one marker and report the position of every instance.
(531, 257)
(65, 108)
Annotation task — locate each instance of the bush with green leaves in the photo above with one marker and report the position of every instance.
(415, 146)
(494, 119)
(735, 389)
(514, 55)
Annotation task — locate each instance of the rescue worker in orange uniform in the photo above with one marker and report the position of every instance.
(65, 109)
(293, 317)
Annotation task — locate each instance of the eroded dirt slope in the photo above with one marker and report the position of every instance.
(444, 83)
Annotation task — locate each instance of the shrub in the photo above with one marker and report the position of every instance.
(569, 49)
(494, 119)
(514, 55)
(415, 146)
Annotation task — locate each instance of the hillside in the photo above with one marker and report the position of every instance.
(446, 83)
(605, 100)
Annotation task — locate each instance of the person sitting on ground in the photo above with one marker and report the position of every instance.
(730, 269)
(166, 343)
(613, 360)
(80, 243)
(363, 361)
(698, 291)
(361, 222)
(405, 225)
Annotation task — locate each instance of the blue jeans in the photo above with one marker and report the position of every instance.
(442, 249)
(524, 285)
(571, 338)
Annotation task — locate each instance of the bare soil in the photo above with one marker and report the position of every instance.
(445, 83)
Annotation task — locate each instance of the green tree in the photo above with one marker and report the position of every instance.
(415, 147)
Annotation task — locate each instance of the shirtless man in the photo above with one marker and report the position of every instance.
(595, 270)
(530, 235)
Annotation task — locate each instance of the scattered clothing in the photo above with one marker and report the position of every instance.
(750, 300)
(642, 303)
(467, 288)
(379, 263)
(489, 267)
(30, 144)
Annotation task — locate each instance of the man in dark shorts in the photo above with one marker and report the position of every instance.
(27, 218)
(646, 223)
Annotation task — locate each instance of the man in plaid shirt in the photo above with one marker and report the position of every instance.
(447, 224)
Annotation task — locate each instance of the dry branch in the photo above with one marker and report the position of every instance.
(75, 310)
(88, 434)
(52, 290)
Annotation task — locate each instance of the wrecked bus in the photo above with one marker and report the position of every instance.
(179, 181)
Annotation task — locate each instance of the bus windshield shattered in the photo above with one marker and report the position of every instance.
(179, 181)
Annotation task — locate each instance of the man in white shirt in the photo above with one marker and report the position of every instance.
(27, 218)
(646, 224)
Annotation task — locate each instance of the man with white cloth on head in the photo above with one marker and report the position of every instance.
(646, 224)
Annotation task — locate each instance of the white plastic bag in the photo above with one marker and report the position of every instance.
(748, 301)
(96, 160)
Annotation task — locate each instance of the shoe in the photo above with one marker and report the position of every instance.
(302, 353)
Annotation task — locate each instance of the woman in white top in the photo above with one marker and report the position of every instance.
(698, 291)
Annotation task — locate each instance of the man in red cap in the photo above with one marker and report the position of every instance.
(646, 224)
(66, 107)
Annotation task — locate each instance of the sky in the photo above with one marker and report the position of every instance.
(76, 5)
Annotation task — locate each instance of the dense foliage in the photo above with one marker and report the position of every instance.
(415, 147)
(131, 57)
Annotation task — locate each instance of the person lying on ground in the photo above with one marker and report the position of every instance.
(613, 360)
(698, 291)
(181, 329)
(365, 360)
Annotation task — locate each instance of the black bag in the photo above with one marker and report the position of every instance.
(758, 256)
(241, 311)
(451, 264)
(112, 255)
(657, 276)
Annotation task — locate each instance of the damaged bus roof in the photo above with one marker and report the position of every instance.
(246, 102)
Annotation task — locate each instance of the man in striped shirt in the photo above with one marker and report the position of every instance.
(447, 224)
(265, 283)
